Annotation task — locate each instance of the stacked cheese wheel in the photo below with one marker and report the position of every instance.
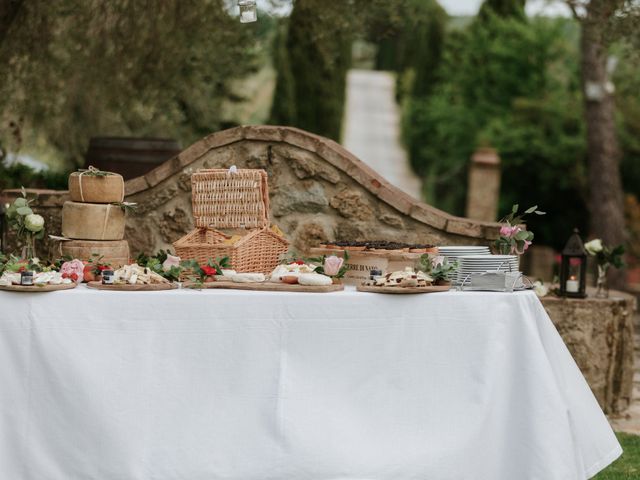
(93, 220)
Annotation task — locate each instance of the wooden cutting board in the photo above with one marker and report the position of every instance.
(132, 288)
(34, 288)
(269, 286)
(403, 290)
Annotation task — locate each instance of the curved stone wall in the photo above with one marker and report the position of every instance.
(319, 191)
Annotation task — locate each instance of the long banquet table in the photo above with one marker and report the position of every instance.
(236, 385)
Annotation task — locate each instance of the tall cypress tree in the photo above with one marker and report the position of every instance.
(503, 8)
(318, 49)
(283, 108)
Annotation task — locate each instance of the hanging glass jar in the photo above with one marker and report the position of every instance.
(248, 11)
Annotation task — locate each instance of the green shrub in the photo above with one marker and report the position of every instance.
(18, 175)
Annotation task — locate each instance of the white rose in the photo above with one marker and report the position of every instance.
(540, 289)
(593, 247)
(34, 222)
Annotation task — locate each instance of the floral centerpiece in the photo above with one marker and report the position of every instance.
(28, 225)
(605, 258)
(514, 240)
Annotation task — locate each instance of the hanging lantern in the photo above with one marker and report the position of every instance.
(573, 268)
(248, 11)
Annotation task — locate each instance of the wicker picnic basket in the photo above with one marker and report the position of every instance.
(231, 213)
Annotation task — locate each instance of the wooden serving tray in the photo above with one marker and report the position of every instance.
(405, 290)
(34, 288)
(132, 288)
(389, 254)
(270, 286)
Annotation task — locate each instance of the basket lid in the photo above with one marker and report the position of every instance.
(233, 198)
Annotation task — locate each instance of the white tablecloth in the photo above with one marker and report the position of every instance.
(189, 385)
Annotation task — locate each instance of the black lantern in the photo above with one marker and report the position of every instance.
(573, 268)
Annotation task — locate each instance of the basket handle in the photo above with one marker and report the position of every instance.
(265, 196)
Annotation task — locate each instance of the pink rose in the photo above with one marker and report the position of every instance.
(73, 269)
(171, 261)
(509, 231)
(332, 265)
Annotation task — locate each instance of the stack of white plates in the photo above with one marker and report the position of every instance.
(452, 253)
(470, 264)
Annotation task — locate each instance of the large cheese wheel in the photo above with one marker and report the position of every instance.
(96, 189)
(92, 221)
(115, 253)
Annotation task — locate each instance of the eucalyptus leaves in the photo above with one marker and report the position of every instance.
(29, 226)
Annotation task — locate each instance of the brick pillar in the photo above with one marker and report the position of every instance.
(483, 191)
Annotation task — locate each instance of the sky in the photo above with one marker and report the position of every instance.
(469, 7)
(534, 7)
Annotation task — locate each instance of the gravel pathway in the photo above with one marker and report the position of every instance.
(372, 128)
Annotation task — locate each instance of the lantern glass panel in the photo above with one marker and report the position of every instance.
(574, 274)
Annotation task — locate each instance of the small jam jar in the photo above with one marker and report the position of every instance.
(26, 278)
(107, 277)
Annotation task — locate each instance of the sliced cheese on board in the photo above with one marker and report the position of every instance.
(92, 221)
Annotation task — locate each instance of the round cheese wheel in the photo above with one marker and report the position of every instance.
(87, 188)
(92, 221)
(115, 253)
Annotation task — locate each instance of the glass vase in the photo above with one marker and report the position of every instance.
(504, 249)
(29, 248)
(601, 283)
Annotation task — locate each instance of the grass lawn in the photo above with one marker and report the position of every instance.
(627, 467)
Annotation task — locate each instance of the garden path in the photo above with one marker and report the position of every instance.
(372, 128)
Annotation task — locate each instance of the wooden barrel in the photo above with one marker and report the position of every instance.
(129, 156)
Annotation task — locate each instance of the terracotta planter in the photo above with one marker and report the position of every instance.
(96, 189)
(443, 283)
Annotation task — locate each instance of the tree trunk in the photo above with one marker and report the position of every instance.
(8, 11)
(606, 203)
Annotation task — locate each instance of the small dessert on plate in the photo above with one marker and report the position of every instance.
(403, 278)
(290, 272)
